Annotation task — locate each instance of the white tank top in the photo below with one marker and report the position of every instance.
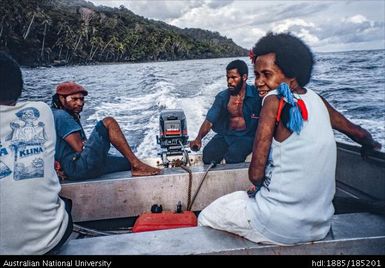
(295, 203)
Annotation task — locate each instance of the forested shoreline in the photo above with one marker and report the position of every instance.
(59, 32)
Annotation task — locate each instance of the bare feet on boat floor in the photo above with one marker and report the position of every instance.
(144, 170)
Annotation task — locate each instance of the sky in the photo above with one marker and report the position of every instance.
(326, 26)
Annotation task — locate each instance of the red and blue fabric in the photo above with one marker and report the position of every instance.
(297, 113)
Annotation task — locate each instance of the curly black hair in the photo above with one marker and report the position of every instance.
(292, 55)
(240, 65)
(11, 79)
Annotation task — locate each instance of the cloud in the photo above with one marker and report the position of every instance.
(218, 3)
(166, 10)
(249, 39)
(301, 28)
(354, 29)
(162, 10)
(155, 9)
(357, 19)
(229, 13)
(323, 25)
(288, 24)
(347, 30)
(246, 21)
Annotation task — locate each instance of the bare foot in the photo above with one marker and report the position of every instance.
(144, 170)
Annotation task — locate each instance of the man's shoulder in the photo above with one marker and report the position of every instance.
(223, 94)
(59, 113)
(251, 91)
(65, 124)
(35, 104)
(61, 116)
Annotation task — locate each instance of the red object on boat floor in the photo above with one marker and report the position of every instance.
(165, 220)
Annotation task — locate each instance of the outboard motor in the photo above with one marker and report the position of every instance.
(173, 135)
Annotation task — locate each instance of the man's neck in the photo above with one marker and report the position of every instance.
(8, 103)
(299, 90)
(73, 114)
(242, 92)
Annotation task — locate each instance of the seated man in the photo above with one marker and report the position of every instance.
(80, 158)
(233, 116)
(33, 218)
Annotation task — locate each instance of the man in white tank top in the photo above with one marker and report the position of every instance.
(33, 219)
(294, 154)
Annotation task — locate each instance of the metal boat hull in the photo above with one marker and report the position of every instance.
(120, 195)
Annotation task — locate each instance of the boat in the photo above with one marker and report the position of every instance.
(115, 200)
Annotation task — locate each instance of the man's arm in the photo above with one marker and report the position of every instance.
(263, 139)
(196, 144)
(212, 116)
(68, 129)
(75, 141)
(355, 132)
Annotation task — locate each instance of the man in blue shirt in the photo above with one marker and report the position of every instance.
(233, 116)
(81, 158)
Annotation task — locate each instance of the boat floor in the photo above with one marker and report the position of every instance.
(356, 233)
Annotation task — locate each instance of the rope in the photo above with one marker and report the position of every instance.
(189, 185)
(213, 164)
(88, 231)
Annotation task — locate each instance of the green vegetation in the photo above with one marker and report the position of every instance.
(46, 32)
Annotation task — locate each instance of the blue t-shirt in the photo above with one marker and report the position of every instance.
(219, 116)
(65, 125)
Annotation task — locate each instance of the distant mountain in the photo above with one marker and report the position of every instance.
(49, 32)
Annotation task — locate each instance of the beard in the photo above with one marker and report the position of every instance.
(235, 91)
(72, 110)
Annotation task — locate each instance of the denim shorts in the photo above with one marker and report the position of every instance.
(94, 160)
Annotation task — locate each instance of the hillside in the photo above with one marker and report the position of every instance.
(45, 32)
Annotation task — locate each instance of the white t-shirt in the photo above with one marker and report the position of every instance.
(295, 203)
(32, 216)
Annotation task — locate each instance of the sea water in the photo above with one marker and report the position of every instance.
(135, 93)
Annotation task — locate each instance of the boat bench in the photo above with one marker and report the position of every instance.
(356, 233)
(119, 195)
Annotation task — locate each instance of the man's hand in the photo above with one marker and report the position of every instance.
(59, 171)
(366, 149)
(75, 141)
(252, 191)
(195, 145)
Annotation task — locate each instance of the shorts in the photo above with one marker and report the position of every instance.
(230, 213)
(94, 160)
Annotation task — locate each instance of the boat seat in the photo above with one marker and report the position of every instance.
(355, 233)
(119, 195)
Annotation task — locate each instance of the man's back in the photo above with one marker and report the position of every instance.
(33, 217)
(65, 124)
